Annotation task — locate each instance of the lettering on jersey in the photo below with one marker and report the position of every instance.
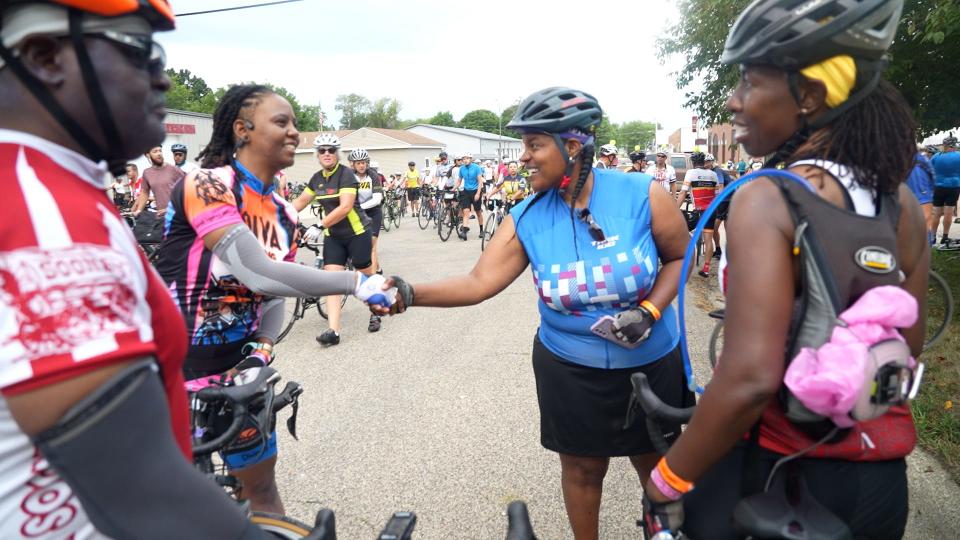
(49, 504)
(63, 298)
(606, 243)
(264, 229)
(876, 259)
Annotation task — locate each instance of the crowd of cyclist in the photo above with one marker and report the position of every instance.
(97, 348)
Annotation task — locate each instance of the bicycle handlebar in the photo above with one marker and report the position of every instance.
(654, 410)
(240, 397)
(518, 522)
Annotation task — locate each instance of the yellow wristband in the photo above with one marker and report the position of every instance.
(672, 479)
(651, 308)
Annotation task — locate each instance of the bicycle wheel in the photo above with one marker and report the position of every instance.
(292, 315)
(387, 216)
(716, 343)
(445, 224)
(939, 309)
(397, 214)
(423, 216)
(489, 227)
(280, 526)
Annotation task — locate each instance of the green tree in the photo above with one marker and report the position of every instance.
(607, 132)
(928, 39)
(354, 109)
(442, 118)
(636, 132)
(189, 92)
(505, 116)
(384, 113)
(482, 120)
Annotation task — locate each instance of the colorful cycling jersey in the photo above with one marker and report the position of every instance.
(470, 174)
(75, 295)
(607, 277)
(326, 188)
(368, 186)
(511, 185)
(946, 165)
(703, 187)
(217, 308)
(413, 179)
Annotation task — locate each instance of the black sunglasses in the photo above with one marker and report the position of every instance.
(595, 231)
(142, 50)
(326, 150)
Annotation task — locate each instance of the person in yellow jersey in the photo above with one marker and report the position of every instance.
(413, 187)
(344, 225)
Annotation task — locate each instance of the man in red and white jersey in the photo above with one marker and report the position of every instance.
(94, 429)
(702, 184)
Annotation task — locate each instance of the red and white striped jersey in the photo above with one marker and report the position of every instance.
(75, 294)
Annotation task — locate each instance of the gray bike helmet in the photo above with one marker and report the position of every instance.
(950, 141)
(557, 110)
(358, 154)
(178, 147)
(794, 34)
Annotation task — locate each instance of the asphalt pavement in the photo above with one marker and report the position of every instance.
(437, 414)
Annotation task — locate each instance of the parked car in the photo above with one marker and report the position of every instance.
(681, 163)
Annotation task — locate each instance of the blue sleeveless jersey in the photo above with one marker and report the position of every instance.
(606, 279)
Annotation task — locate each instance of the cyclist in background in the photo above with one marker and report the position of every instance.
(946, 167)
(90, 358)
(664, 173)
(179, 152)
(345, 226)
(512, 186)
(412, 177)
(469, 184)
(922, 183)
(607, 157)
(724, 180)
(638, 162)
(370, 197)
(702, 185)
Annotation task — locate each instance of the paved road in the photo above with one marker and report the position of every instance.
(437, 414)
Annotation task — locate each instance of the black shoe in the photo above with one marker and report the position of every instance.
(329, 338)
(374, 324)
(717, 253)
(704, 273)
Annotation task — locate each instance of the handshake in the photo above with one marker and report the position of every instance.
(382, 295)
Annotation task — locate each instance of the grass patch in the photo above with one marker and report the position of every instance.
(936, 410)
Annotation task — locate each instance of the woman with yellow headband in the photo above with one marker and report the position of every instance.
(811, 96)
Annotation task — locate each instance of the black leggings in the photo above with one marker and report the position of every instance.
(869, 496)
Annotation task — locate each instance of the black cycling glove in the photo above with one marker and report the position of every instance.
(404, 294)
(662, 521)
(633, 325)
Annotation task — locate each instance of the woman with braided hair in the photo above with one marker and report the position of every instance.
(603, 245)
(228, 259)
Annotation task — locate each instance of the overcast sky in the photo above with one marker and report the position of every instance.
(435, 55)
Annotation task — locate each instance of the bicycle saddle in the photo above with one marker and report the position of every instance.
(788, 511)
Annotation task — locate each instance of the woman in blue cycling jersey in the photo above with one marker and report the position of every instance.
(603, 246)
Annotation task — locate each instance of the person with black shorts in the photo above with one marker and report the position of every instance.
(344, 225)
(370, 197)
(946, 167)
(620, 268)
(471, 176)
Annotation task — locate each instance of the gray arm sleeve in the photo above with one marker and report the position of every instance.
(271, 319)
(244, 256)
(119, 436)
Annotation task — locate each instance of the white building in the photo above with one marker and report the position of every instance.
(480, 144)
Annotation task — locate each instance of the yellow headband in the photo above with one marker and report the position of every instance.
(838, 74)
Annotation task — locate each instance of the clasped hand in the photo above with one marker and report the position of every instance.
(633, 325)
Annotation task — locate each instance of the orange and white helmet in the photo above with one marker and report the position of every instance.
(157, 12)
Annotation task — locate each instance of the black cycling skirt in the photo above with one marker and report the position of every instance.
(583, 409)
(376, 219)
(869, 496)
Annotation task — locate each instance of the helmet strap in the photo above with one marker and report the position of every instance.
(45, 97)
(95, 93)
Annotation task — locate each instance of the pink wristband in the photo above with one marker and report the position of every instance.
(664, 487)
